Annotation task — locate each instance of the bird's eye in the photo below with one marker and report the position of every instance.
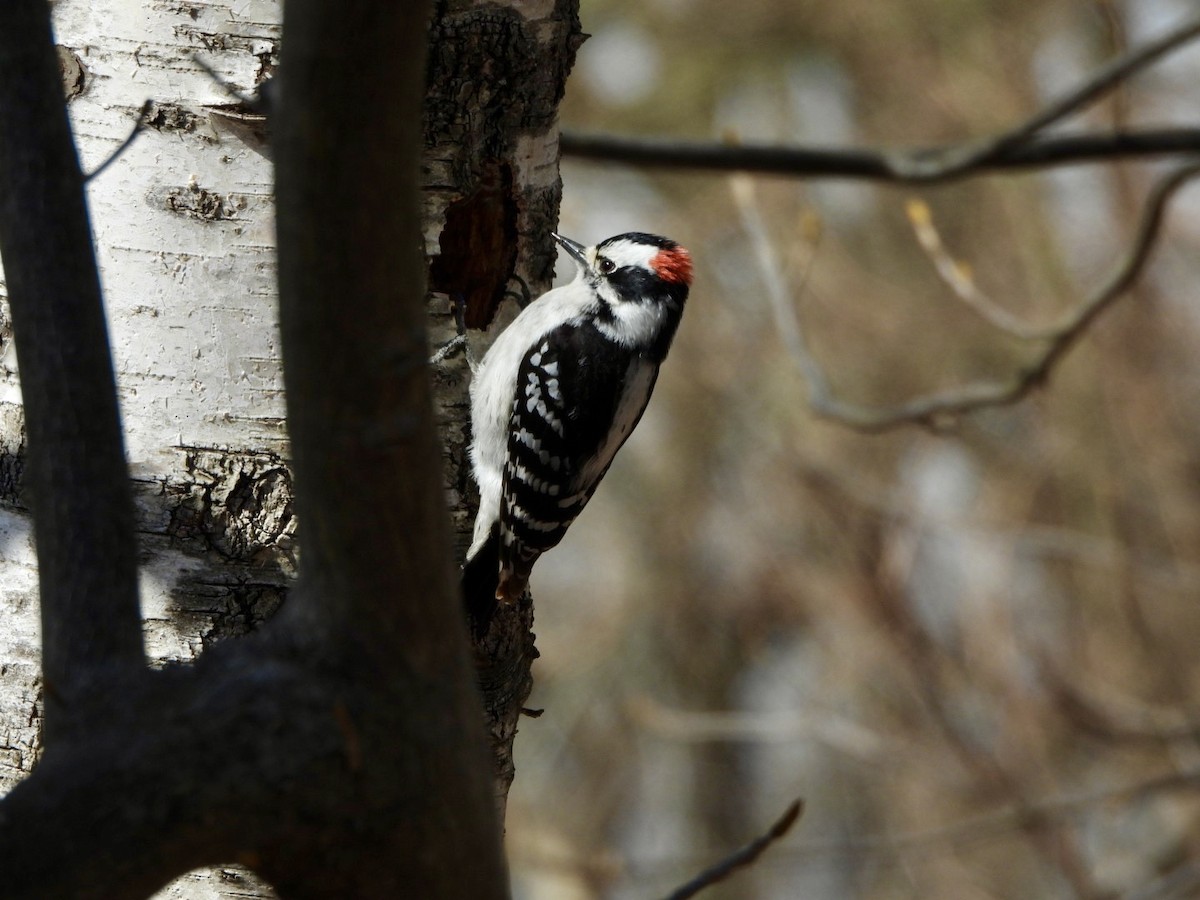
(605, 266)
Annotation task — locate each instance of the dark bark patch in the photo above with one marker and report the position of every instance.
(236, 504)
(195, 202)
(74, 74)
(227, 606)
(173, 117)
(478, 246)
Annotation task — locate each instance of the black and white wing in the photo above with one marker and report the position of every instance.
(578, 398)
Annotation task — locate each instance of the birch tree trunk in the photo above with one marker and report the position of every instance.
(184, 228)
(183, 223)
(496, 76)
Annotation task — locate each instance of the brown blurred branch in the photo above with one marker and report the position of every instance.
(957, 276)
(1016, 817)
(744, 857)
(1112, 718)
(1049, 542)
(935, 408)
(829, 727)
(1019, 148)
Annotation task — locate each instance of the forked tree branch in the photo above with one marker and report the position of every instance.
(938, 408)
(1020, 148)
(77, 477)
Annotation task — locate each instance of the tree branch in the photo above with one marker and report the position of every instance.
(82, 505)
(935, 408)
(1018, 148)
(744, 857)
(957, 277)
(352, 318)
(377, 595)
(935, 165)
(197, 766)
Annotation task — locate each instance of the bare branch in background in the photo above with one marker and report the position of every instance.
(1019, 148)
(935, 409)
(1104, 80)
(1113, 718)
(957, 276)
(889, 166)
(744, 857)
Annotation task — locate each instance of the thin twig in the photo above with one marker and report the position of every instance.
(744, 857)
(787, 323)
(957, 277)
(1018, 148)
(138, 125)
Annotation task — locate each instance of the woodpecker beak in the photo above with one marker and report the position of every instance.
(575, 249)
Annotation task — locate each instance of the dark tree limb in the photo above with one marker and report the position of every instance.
(377, 580)
(77, 475)
(197, 766)
(1019, 148)
(888, 166)
(355, 356)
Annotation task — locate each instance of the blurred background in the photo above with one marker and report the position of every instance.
(972, 651)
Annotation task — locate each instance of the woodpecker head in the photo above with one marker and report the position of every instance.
(640, 281)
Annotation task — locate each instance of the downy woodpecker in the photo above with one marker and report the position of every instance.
(557, 395)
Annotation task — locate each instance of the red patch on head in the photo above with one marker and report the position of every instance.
(673, 265)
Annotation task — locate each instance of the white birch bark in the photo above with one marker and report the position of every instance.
(183, 223)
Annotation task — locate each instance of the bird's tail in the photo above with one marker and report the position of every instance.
(480, 578)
